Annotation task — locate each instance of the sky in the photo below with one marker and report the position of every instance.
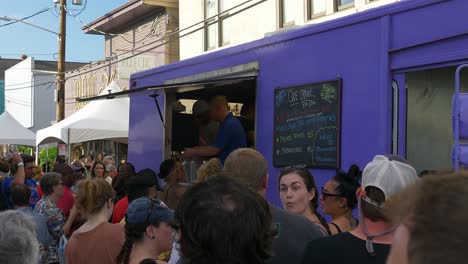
(17, 39)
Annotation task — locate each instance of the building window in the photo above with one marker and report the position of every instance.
(343, 4)
(211, 25)
(226, 23)
(286, 13)
(316, 8)
(217, 27)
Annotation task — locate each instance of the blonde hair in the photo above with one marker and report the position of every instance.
(210, 169)
(93, 194)
(38, 171)
(248, 166)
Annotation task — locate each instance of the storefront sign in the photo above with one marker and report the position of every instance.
(139, 63)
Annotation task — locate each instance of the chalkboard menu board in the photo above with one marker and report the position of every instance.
(307, 125)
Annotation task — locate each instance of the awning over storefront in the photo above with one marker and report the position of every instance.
(103, 119)
(14, 133)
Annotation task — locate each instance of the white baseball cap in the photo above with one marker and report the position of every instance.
(389, 173)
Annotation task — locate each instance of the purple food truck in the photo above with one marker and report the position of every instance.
(327, 96)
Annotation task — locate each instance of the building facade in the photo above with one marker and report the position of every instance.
(30, 92)
(138, 35)
(229, 22)
(130, 45)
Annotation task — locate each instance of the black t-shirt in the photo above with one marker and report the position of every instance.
(148, 261)
(344, 248)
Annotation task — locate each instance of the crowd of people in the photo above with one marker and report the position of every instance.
(97, 211)
(224, 217)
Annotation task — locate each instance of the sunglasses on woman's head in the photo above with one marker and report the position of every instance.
(325, 193)
(294, 167)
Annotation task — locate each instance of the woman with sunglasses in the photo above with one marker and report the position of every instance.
(173, 174)
(97, 241)
(148, 232)
(299, 195)
(339, 199)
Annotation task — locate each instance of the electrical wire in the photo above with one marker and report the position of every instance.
(27, 87)
(85, 3)
(156, 22)
(206, 22)
(24, 18)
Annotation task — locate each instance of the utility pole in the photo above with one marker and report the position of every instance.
(61, 61)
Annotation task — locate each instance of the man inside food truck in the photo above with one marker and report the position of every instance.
(230, 136)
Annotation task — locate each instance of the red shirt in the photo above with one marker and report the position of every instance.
(39, 191)
(120, 210)
(67, 201)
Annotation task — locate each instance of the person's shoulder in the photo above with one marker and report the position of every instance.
(7, 182)
(331, 242)
(121, 203)
(295, 223)
(114, 228)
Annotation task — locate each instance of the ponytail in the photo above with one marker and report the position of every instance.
(133, 233)
(323, 221)
(124, 255)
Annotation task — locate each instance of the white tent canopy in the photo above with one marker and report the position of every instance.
(14, 133)
(101, 119)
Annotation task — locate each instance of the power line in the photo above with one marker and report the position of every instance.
(107, 62)
(85, 4)
(156, 22)
(27, 87)
(24, 18)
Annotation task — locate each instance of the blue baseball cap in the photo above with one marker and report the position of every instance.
(145, 210)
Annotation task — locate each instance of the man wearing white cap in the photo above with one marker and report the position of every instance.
(370, 242)
(207, 128)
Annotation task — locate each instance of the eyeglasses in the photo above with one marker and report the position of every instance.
(294, 167)
(153, 202)
(327, 194)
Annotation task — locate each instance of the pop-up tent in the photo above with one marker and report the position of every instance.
(102, 119)
(12, 132)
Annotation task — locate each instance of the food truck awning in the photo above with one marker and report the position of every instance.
(240, 73)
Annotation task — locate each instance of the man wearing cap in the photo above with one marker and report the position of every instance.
(384, 177)
(207, 128)
(230, 136)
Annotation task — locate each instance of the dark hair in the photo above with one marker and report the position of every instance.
(68, 174)
(137, 186)
(166, 168)
(309, 182)
(370, 211)
(4, 166)
(27, 158)
(126, 171)
(82, 156)
(93, 175)
(348, 184)
(48, 181)
(20, 195)
(61, 159)
(133, 233)
(91, 156)
(227, 240)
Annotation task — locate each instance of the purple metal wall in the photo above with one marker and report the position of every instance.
(361, 49)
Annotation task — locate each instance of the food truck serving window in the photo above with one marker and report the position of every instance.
(307, 125)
